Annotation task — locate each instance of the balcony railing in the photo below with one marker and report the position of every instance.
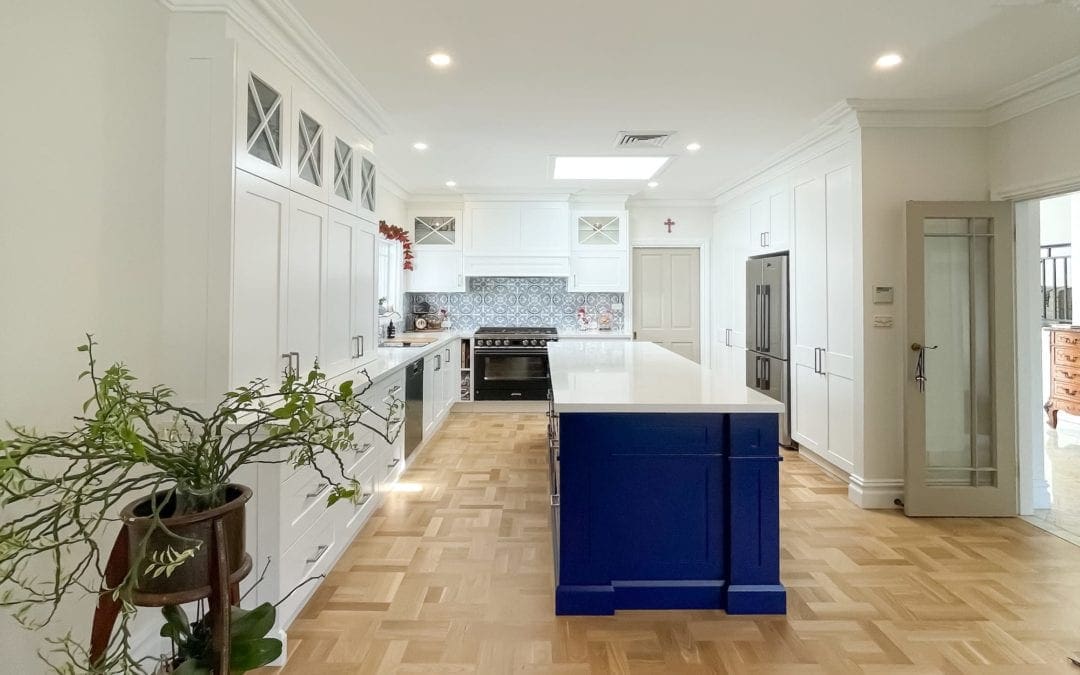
(1056, 270)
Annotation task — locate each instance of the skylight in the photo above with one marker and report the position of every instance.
(607, 168)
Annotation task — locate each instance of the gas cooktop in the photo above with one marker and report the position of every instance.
(516, 330)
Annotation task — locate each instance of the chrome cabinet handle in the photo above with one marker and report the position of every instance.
(288, 363)
(296, 368)
(394, 463)
(448, 355)
(318, 554)
(364, 449)
(365, 499)
(318, 490)
(555, 500)
(438, 362)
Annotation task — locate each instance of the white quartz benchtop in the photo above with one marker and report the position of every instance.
(616, 376)
(568, 334)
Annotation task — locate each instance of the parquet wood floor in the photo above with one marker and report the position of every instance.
(456, 577)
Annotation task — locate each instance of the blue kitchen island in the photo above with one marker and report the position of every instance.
(664, 483)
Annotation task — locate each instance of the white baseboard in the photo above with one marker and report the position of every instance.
(880, 493)
(823, 464)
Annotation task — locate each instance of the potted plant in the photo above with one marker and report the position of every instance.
(61, 492)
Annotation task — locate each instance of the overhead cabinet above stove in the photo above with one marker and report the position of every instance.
(517, 238)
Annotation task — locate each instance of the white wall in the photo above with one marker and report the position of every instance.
(900, 165)
(80, 219)
(1056, 219)
(691, 222)
(1037, 153)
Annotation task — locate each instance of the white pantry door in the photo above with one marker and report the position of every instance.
(667, 305)
(960, 396)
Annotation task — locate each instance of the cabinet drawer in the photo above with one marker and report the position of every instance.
(303, 499)
(1067, 390)
(310, 556)
(1066, 338)
(1066, 356)
(362, 456)
(358, 513)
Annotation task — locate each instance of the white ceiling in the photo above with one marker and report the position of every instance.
(745, 79)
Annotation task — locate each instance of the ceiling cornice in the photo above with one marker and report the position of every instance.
(1042, 89)
(832, 129)
(284, 32)
(661, 203)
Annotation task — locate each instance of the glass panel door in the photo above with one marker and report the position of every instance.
(960, 400)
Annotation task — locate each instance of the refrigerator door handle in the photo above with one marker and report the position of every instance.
(766, 367)
(766, 341)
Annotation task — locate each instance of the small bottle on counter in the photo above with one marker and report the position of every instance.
(391, 330)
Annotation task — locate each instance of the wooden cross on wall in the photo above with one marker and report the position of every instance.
(670, 224)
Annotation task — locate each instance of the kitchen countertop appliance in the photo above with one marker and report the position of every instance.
(511, 364)
(767, 334)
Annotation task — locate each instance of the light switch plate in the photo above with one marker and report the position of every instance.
(883, 321)
(883, 295)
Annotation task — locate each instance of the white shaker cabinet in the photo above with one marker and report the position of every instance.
(349, 324)
(544, 229)
(436, 271)
(770, 220)
(260, 243)
(517, 229)
(822, 314)
(303, 281)
(599, 272)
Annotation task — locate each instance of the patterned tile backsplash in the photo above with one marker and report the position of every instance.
(519, 301)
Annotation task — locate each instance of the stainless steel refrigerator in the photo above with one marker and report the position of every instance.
(767, 332)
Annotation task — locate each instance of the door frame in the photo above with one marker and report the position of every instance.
(704, 270)
(1003, 340)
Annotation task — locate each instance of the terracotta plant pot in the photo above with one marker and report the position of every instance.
(191, 578)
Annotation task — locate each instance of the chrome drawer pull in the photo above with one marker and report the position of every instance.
(318, 490)
(365, 499)
(318, 554)
(393, 390)
(367, 447)
(394, 463)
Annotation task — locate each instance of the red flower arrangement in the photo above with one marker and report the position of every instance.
(395, 233)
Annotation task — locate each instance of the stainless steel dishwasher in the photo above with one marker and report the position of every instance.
(414, 406)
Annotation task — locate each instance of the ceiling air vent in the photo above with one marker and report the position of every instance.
(642, 139)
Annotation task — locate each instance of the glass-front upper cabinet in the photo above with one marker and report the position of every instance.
(593, 230)
(367, 194)
(263, 133)
(436, 230)
(310, 172)
(343, 175)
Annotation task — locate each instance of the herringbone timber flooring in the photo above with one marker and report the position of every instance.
(456, 577)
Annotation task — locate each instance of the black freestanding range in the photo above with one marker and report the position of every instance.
(511, 364)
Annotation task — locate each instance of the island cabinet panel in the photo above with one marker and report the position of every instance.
(667, 511)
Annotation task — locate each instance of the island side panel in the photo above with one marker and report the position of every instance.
(754, 529)
(644, 512)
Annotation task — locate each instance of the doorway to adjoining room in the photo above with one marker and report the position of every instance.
(1051, 326)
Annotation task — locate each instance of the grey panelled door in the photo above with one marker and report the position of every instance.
(667, 302)
(960, 397)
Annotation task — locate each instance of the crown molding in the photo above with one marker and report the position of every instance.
(278, 27)
(433, 199)
(832, 129)
(516, 196)
(916, 113)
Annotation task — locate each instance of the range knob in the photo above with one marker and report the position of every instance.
(543, 343)
(487, 343)
(498, 343)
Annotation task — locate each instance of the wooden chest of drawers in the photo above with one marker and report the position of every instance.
(1064, 373)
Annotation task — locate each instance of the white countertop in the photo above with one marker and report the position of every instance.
(565, 334)
(617, 376)
(391, 359)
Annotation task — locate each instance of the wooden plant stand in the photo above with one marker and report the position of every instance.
(222, 592)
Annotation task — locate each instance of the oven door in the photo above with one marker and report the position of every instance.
(511, 374)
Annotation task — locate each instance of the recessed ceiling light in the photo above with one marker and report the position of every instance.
(694, 147)
(887, 61)
(420, 145)
(607, 168)
(439, 59)
(451, 183)
(653, 183)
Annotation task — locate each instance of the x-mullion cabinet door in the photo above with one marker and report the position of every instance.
(263, 126)
(310, 171)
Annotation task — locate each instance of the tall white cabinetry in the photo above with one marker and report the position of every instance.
(823, 333)
(811, 210)
(269, 263)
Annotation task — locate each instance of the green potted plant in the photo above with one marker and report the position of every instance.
(61, 492)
